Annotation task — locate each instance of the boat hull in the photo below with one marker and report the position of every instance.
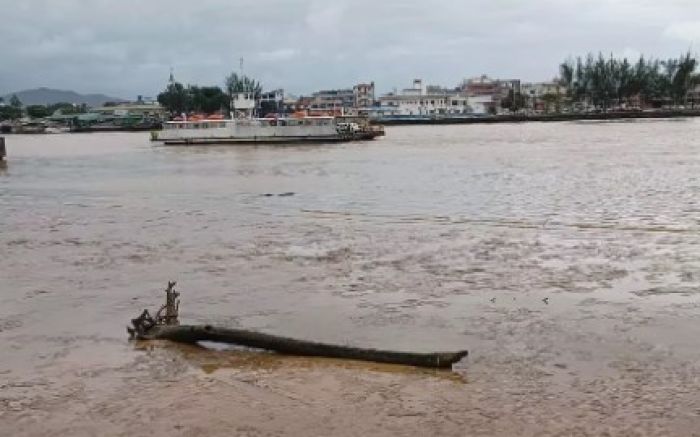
(269, 140)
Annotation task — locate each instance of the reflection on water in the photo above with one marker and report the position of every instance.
(563, 256)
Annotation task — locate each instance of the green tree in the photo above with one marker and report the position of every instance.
(15, 102)
(208, 99)
(6, 113)
(37, 111)
(603, 82)
(682, 80)
(175, 99)
(13, 111)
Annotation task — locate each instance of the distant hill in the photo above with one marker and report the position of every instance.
(49, 96)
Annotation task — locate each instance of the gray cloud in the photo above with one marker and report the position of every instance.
(127, 47)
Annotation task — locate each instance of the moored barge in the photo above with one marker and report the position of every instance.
(268, 130)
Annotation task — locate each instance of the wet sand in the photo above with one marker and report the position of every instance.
(565, 257)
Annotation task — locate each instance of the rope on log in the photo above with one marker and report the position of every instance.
(167, 327)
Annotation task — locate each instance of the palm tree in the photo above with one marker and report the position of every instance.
(602, 81)
(566, 78)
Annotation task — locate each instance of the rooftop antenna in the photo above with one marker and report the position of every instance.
(172, 76)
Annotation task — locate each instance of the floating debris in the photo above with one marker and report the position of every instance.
(165, 325)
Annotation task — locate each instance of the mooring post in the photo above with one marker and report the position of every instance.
(3, 152)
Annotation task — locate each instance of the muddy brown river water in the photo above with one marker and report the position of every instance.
(564, 256)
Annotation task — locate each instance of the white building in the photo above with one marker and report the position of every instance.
(420, 101)
(543, 96)
(539, 89)
(481, 105)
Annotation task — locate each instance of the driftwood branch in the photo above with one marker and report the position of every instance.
(166, 327)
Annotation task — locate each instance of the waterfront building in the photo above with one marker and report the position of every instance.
(421, 100)
(487, 93)
(340, 99)
(303, 103)
(484, 85)
(272, 102)
(363, 94)
(693, 96)
(483, 104)
(539, 89)
(543, 96)
(139, 109)
(345, 100)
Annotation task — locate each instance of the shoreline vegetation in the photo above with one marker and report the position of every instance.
(605, 84)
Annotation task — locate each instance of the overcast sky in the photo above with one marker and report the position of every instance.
(127, 47)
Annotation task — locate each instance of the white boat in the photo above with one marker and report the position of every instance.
(242, 127)
(268, 130)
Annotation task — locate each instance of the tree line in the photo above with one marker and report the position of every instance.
(606, 82)
(14, 109)
(178, 99)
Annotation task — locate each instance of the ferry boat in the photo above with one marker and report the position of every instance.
(268, 130)
(244, 128)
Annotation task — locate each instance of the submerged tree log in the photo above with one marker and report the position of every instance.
(146, 328)
(196, 333)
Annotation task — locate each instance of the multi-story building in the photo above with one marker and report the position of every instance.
(489, 92)
(543, 96)
(364, 95)
(485, 86)
(137, 109)
(539, 89)
(340, 99)
(272, 102)
(420, 100)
